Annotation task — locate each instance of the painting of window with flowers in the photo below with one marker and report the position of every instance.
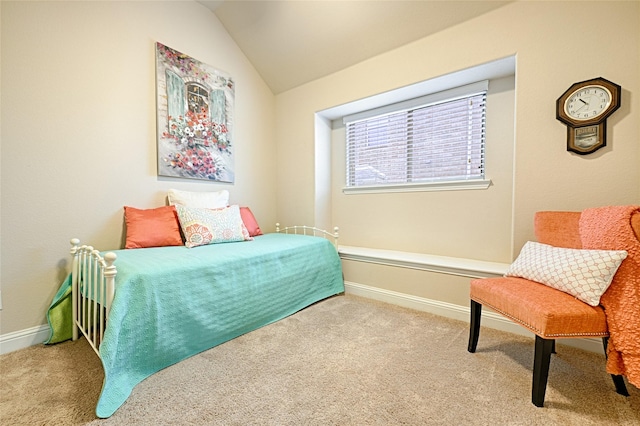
(195, 118)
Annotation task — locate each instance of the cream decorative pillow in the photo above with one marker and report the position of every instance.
(206, 200)
(584, 274)
(209, 226)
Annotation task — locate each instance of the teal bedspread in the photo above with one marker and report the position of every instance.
(174, 302)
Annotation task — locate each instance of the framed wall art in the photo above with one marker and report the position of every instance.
(194, 104)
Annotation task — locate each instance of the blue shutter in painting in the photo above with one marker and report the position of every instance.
(175, 95)
(218, 109)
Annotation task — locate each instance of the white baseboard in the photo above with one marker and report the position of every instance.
(23, 338)
(462, 313)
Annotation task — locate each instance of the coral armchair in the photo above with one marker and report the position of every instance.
(548, 312)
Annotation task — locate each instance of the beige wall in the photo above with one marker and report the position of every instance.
(78, 132)
(550, 56)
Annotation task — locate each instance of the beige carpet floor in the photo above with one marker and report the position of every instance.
(343, 361)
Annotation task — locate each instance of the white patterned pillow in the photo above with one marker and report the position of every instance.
(210, 226)
(584, 274)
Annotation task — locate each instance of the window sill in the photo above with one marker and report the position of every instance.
(443, 264)
(425, 186)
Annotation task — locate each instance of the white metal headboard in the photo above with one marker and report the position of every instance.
(311, 230)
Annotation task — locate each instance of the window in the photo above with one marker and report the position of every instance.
(197, 98)
(432, 140)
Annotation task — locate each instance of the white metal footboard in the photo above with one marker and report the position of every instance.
(92, 280)
(311, 230)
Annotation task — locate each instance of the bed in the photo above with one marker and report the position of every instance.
(146, 309)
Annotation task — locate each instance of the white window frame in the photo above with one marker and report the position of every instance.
(430, 99)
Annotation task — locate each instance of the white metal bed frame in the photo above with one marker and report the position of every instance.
(92, 290)
(93, 283)
(311, 230)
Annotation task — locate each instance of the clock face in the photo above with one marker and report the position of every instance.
(587, 103)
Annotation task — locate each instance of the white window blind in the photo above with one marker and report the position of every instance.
(436, 138)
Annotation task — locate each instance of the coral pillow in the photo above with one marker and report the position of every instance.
(209, 226)
(250, 222)
(584, 274)
(206, 200)
(152, 227)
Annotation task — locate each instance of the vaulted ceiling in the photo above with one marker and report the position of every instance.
(293, 42)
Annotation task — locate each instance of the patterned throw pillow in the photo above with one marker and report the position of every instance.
(210, 226)
(584, 274)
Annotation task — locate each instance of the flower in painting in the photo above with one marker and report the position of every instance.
(198, 143)
(183, 63)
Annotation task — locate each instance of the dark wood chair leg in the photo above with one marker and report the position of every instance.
(541, 361)
(618, 381)
(474, 329)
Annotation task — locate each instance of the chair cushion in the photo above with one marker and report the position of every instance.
(547, 312)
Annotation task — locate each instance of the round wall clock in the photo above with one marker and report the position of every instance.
(584, 108)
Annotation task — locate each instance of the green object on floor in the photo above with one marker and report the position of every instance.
(60, 315)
